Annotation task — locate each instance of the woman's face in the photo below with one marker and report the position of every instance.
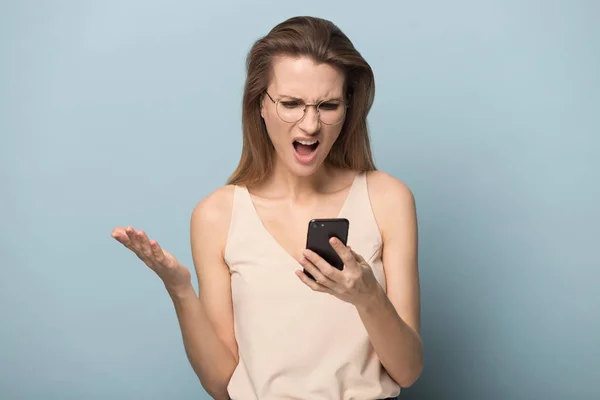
(302, 146)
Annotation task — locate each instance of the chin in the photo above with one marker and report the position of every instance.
(302, 169)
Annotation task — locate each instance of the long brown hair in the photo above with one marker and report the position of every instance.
(324, 42)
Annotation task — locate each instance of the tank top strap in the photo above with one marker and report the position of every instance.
(357, 202)
(242, 212)
(364, 235)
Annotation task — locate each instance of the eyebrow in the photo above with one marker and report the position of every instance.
(281, 96)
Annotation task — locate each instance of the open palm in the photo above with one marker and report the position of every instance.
(163, 263)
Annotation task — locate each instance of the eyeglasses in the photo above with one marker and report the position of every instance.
(330, 112)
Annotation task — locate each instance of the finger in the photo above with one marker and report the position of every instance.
(134, 242)
(317, 287)
(343, 251)
(157, 251)
(324, 268)
(121, 236)
(316, 273)
(144, 244)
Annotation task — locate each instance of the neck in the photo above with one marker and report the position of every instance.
(283, 183)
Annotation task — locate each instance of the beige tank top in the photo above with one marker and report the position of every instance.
(295, 343)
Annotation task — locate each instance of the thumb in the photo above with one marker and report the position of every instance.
(357, 257)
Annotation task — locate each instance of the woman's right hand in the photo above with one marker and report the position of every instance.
(174, 275)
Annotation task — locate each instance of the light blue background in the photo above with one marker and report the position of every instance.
(128, 112)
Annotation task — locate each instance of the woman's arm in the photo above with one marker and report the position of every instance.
(206, 320)
(212, 360)
(393, 320)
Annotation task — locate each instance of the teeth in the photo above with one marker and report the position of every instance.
(307, 142)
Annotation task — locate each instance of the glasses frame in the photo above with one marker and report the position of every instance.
(276, 102)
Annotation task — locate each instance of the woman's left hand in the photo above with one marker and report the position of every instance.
(355, 284)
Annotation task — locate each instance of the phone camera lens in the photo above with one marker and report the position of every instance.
(315, 225)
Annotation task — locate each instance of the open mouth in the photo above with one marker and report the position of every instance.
(304, 147)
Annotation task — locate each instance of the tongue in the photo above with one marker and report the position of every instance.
(303, 149)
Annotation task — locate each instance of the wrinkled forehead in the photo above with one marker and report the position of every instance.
(302, 78)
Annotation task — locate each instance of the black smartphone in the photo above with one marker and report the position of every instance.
(317, 239)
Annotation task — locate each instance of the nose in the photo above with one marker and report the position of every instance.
(310, 122)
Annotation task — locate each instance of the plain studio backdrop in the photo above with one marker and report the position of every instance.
(128, 113)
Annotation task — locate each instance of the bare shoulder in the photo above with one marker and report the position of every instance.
(387, 190)
(215, 207)
(211, 217)
(391, 199)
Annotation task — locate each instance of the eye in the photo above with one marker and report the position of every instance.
(290, 103)
(329, 106)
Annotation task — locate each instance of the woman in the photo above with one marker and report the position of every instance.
(260, 327)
